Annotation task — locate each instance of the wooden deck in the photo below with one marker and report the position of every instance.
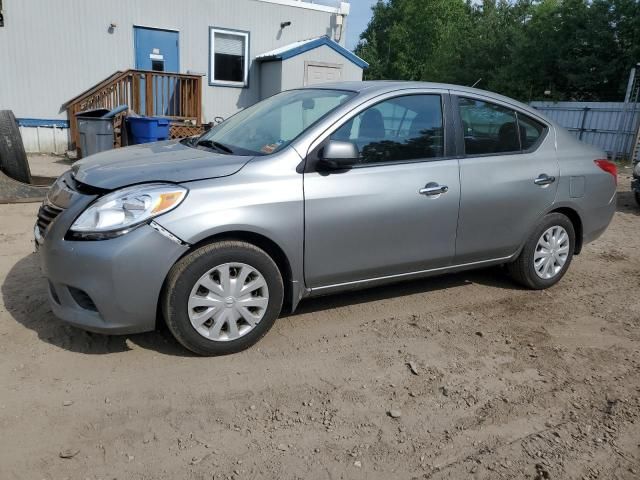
(176, 96)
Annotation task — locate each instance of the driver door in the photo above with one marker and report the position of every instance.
(381, 218)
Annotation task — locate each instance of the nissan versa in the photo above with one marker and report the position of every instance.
(314, 191)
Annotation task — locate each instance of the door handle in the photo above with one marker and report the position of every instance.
(544, 179)
(431, 189)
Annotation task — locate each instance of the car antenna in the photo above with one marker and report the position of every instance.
(477, 82)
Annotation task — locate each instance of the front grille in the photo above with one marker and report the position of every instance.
(47, 214)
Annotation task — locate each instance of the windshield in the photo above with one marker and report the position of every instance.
(272, 124)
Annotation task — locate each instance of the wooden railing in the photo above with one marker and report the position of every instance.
(172, 95)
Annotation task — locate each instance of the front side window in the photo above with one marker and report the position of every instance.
(272, 124)
(398, 129)
(229, 62)
(488, 128)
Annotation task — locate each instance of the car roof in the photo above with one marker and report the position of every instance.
(377, 87)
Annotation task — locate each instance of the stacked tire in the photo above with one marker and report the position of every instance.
(13, 158)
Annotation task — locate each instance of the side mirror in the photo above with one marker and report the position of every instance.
(337, 155)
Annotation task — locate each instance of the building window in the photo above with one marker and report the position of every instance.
(229, 58)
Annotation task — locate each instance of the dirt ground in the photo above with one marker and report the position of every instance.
(43, 165)
(506, 383)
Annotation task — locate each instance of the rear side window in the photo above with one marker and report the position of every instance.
(492, 129)
(530, 131)
(398, 129)
(488, 128)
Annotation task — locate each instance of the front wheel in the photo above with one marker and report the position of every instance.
(222, 297)
(547, 254)
(637, 195)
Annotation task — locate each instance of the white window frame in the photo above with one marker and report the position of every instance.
(212, 37)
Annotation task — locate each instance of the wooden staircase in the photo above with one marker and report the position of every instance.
(176, 96)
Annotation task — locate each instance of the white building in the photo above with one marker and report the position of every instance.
(243, 50)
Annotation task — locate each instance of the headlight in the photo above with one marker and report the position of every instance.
(119, 212)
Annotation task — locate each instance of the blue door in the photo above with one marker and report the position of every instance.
(158, 50)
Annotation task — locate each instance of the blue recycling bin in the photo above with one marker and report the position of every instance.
(148, 129)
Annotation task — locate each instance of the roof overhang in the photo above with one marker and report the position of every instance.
(298, 48)
(342, 8)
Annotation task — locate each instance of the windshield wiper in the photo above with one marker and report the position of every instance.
(189, 141)
(215, 145)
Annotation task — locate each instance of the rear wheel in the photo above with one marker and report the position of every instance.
(547, 254)
(13, 159)
(222, 298)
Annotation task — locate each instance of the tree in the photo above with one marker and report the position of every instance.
(415, 39)
(574, 49)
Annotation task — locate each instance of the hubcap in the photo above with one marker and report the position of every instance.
(228, 301)
(551, 252)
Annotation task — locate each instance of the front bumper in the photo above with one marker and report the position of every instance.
(107, 286)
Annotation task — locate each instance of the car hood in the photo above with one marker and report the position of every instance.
(169, 161)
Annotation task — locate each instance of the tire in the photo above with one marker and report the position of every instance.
(13, 159)
(184, 284)
(637, 196)
(523, 269)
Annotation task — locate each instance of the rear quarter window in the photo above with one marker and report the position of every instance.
(530, 131)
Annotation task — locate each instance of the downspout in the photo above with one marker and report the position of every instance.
(343, 11)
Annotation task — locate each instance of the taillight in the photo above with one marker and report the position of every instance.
(608, 167)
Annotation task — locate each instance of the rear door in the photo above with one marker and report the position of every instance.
(384, 217)
(508, 177)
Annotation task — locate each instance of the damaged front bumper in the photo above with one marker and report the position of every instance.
(106, 286)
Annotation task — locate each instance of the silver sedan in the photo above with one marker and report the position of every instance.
(315, 191)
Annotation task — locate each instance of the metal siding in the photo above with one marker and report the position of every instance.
(52, 51)
(293, 68)
(270, 79)
(601, 126)
(45, 139)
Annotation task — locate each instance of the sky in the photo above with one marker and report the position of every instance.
(357, 20)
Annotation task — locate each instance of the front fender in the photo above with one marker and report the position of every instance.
(271, 206)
